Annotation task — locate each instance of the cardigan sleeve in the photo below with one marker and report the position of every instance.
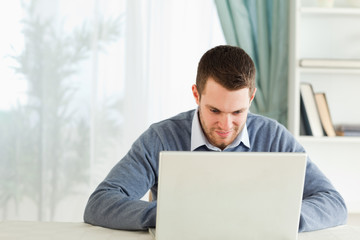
(116, 201)
(322, 205)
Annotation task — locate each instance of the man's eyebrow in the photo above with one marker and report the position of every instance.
(215, 108)
(212, 107)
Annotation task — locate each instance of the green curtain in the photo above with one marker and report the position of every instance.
(261, 28)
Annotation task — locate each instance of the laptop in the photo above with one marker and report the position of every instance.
(229, 195)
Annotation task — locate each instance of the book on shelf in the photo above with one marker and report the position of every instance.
(309, 111)
(324, 113)
(329, 63)
(348, 130)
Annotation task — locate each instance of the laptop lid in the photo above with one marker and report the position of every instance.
(218, 195)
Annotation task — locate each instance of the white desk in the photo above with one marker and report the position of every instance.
(79, 231)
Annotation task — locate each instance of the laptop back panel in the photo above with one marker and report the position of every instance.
(210, 195)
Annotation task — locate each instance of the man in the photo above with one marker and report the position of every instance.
(224, 90)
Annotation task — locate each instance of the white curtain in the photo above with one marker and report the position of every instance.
(79, 82)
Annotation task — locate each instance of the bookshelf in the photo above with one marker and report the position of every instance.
(328, 33)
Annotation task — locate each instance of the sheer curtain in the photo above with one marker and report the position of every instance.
(80, 81)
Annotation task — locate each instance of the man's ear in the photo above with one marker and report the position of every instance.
(253, 95)
(196, 94)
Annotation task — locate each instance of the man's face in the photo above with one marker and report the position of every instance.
(222, 112)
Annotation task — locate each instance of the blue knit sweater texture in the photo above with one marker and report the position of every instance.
(116, 201)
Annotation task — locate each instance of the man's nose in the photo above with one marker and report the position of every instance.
(226, 122)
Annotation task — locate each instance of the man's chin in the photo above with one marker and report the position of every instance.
(222, 145)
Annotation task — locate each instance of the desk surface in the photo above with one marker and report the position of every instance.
(56, 230)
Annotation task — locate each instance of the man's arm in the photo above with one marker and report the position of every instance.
(322, 205)
(116, 201)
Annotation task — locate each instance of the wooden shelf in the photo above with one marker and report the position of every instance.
(338, 140)
(330, 11)
(330, 70)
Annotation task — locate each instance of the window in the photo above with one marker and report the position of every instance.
(80, 80)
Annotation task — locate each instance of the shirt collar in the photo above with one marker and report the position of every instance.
(198, 138)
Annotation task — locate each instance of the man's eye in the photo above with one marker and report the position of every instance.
(214, 110)
(238, 112)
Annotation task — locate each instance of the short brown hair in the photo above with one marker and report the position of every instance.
(229, 66)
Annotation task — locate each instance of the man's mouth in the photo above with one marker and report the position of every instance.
(223, 134)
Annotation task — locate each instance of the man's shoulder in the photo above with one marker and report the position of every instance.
(173, 133)
(267, 134)
(256, 119)
(258, 123)
(183, 120)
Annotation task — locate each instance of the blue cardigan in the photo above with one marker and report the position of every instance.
(116, 201)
